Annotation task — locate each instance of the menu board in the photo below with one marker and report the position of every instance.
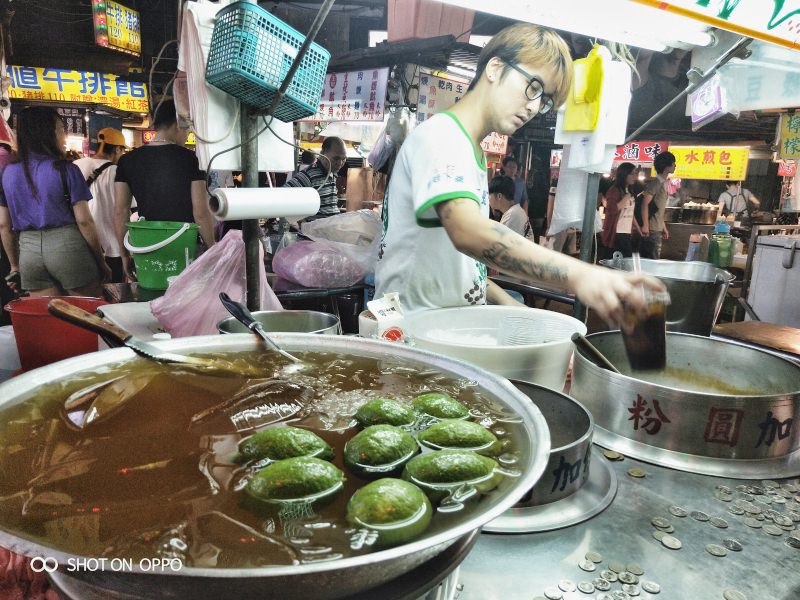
(710, 162)
(117, 26)
(437, 94)
(353, 96)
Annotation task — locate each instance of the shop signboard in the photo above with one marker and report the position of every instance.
(88, 87)
(787, 169)
(74, 119)
(790, 136)
(353, 96)
(149, 135)
(775, 22)
(640, 151)
(710, 162)
(117, 27)
(437, 94)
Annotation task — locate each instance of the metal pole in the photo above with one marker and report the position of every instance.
(587, 233)
(250, 229)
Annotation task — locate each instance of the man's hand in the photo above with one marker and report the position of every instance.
(608, 292)
(127, 270)
(14, 281)
(665, 233)
(645, 230)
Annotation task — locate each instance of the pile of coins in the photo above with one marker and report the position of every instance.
(771, 507)
(626, 576)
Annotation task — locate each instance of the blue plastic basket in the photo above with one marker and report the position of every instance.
(251, 52)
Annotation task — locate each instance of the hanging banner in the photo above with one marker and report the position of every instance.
(437, 94)
(774, 22)
(790, 136)
(710, 162)
(640, 152)
(63, 85)
(353, 96)
(787, 169)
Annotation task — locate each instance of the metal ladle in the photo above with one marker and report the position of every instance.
(245, 317)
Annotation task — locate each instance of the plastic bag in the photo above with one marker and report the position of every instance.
(319, 264)
(191, 304)
(356, 235)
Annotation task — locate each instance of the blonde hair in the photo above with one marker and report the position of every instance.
(526, 43)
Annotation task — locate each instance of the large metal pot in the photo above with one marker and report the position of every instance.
(699, 215)
(287, 321)
(718, 408)
(315, 581)
(697, 290)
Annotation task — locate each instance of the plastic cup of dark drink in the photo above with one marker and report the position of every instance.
(646, 337)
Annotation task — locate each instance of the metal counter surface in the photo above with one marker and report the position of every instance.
(517, 567)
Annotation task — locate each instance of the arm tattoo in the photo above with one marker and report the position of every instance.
(500, 255)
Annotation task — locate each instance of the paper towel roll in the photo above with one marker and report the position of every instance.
(233, 204)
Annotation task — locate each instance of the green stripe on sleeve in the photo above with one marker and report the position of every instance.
(427, 222)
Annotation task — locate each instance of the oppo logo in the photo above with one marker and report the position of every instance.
(48, 564)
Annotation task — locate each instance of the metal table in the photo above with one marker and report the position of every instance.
(520, 567)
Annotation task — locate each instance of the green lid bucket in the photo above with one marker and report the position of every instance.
(160, 249)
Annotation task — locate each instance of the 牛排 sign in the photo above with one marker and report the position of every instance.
(117, 26)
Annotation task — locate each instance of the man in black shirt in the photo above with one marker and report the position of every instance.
(166, 180)
(322, 176)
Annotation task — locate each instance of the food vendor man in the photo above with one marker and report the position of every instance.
(438, 239)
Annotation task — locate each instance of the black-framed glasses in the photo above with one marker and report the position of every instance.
(535, 89)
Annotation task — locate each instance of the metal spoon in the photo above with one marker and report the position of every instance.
(244, 316)
(592, 353)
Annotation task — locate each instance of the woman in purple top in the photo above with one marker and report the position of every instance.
(46, 228)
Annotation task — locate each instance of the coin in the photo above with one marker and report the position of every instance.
(566, 585)
(735, 510)
(669, 529)
(672, 543)
(759, 517)
(651, 587)
(741, 488)
(782, 520)
(678, 511)
(723, 497)
(587, 565)
(779, 500)
(620, 595)
(594, 557)
(553, 593)
(586, 587)
(732, 545)
(630, 589)
(751, 522)
(659, 535)
(765, 501)
(635, 569)
(605, 596)
(723, 488)
(718, 522)
(754, 489)
(615, 566)
(733, 595)
(715, 550)
(793, 515)
(660, 522)
(611, 455)
(752, 509)
(769, 484)
(698, 515)
(792, 542)
(626, 577)
(772, 530)
(609, 576)
(637, 472)
(601, 584)
(786, 494)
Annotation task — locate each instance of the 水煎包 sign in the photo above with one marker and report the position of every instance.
(640, 152)
(117, 26)
(710, 162)
(437, 94)
(775, 22)
(353, 96)
(63, 85)
(790, 136)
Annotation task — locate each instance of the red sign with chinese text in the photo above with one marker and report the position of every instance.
(640, 152)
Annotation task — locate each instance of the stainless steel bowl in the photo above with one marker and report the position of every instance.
(697, 290)
(321, 581)
(718, 409)
(287, 321)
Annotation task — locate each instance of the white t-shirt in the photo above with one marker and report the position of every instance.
(516, 219)
(102, 203)
(625, 221)
(437, 162)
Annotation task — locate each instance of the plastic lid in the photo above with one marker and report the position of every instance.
(722, 227)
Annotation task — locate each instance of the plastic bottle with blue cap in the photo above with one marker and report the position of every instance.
(720, 248)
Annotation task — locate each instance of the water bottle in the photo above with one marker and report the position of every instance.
(720, 248)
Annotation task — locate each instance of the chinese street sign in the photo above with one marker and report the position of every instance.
(787, 169)
(774, 22)
(710, 162)
(117, 27)
(353, 96)
(63, 85)
(437, 94)
(640, 152)
(790, 136)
